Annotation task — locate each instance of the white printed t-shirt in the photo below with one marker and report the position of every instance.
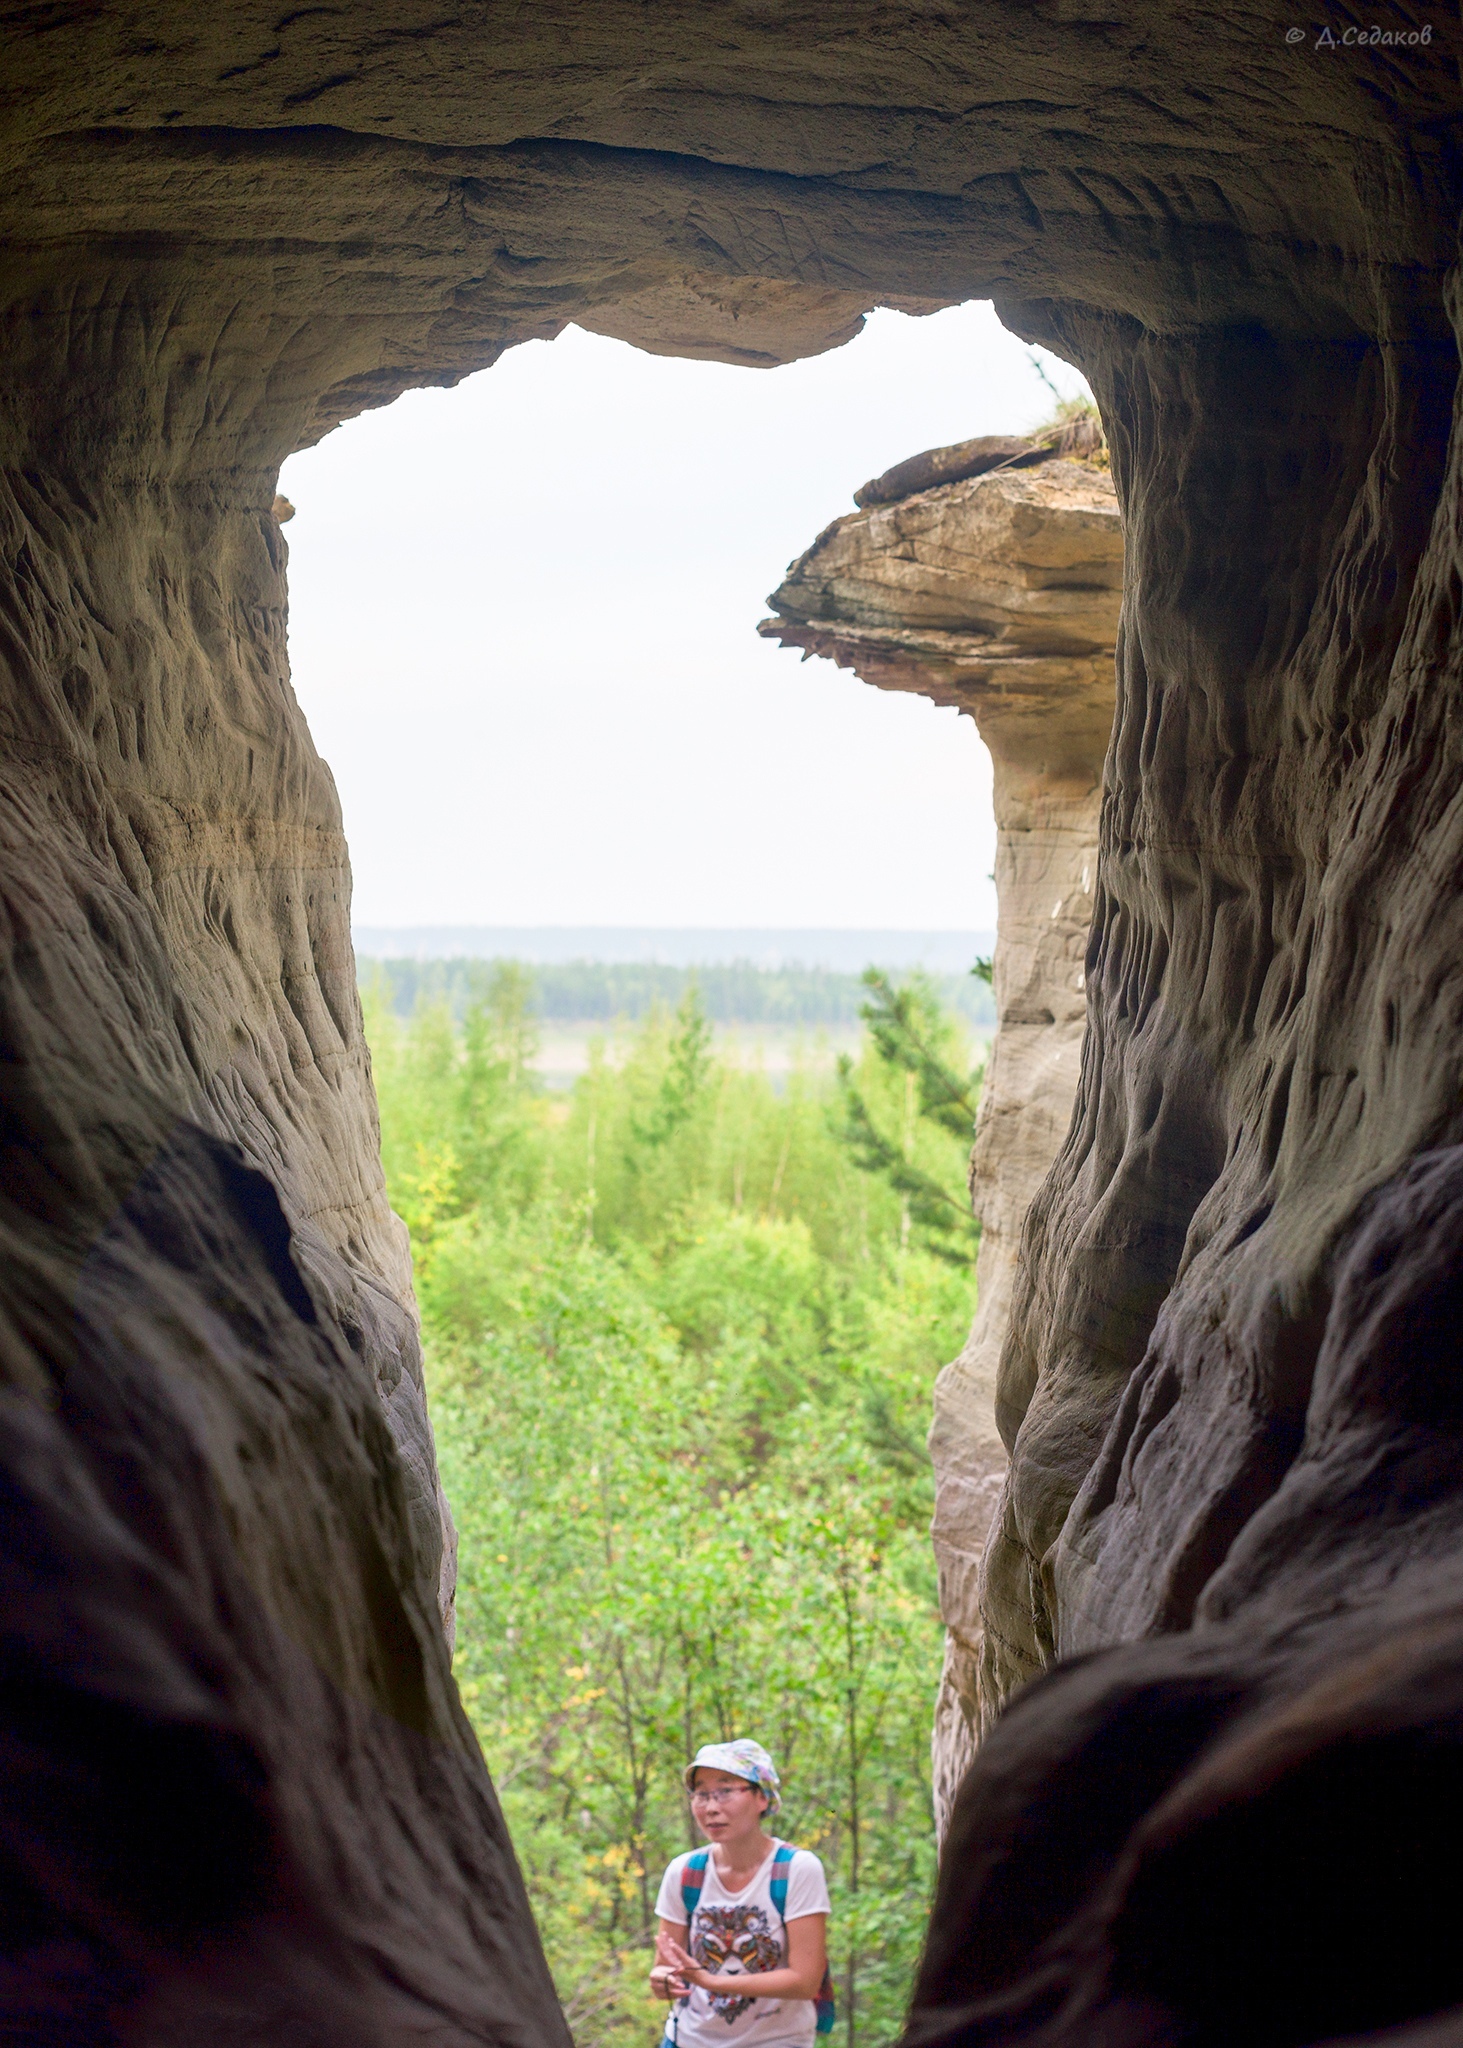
(736, 1931)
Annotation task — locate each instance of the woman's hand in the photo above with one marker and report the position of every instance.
(685, 1966)
(667, 1980)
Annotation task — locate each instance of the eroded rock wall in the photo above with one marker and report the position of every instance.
(240, 1789)
(1227, 1384)
(999, 595)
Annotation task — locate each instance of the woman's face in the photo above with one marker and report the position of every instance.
(727, 1809)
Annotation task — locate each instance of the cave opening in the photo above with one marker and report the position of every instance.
(523, 630)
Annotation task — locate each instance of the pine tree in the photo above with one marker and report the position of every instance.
(686, 1074)
(911, 1035)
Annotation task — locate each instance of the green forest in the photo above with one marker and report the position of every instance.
(681, 1331)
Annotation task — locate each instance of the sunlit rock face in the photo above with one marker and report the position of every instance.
(242, 1801)
(998, 594)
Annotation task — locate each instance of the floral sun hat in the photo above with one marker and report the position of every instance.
(743, 1759)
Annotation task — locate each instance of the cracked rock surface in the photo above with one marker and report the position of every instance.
(244, 1803)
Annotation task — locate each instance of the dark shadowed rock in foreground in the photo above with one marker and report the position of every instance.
(1237, 1834)
(242, 1804)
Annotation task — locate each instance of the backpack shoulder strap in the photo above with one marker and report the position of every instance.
(781, 1865)
(826, 2012)
(693, 1877)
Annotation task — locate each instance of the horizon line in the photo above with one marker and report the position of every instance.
(904, 931)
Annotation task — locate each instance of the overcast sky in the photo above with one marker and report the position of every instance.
(522, 626)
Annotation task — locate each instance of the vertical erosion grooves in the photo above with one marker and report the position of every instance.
(1273, 988)
(1246, 1832)
(241, 1793)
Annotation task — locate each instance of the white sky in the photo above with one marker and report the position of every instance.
(522, 628)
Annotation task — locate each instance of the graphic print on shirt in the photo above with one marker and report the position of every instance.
(735, 1934)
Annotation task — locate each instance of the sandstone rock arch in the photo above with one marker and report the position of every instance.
(245, 1797)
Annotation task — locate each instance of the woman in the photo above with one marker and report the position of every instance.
(742, 1949)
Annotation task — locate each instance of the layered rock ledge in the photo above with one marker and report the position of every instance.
(998, 594)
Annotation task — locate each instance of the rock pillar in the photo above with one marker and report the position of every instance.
(997, 594)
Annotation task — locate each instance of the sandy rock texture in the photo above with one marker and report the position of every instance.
(998, 594)
(244, 1804)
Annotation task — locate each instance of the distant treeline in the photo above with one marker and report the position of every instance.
(593, 991)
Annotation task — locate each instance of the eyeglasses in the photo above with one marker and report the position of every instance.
(717, 1794)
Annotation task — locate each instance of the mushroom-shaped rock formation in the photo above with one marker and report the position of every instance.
(1000, 595)
(242, 1800)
